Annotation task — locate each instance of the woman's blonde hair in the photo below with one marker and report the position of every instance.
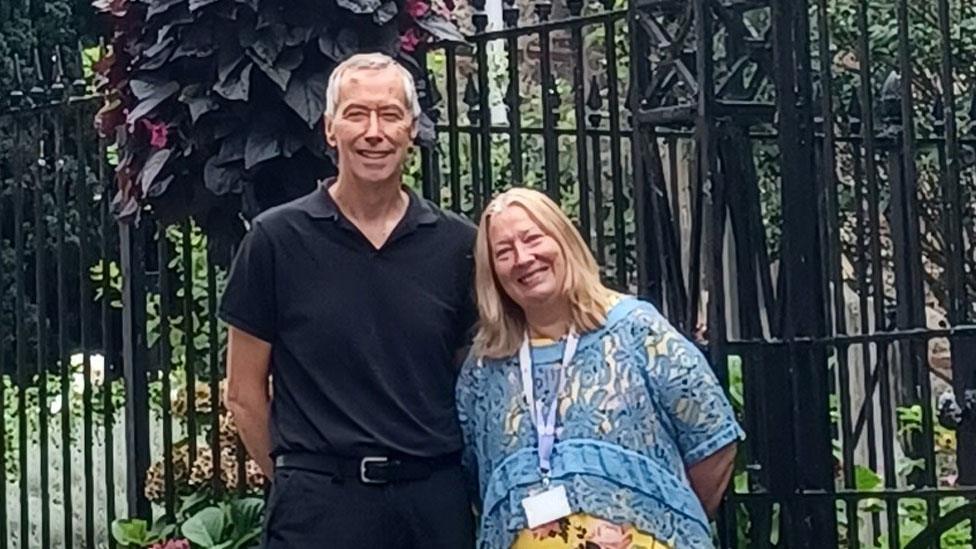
(502, 322)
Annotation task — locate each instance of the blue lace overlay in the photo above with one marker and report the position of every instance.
(640, 406)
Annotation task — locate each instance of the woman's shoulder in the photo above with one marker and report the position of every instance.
(476, 370)
(631, 311)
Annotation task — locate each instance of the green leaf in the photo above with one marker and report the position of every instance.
(190, 503)
(206, 528)
(865, 478)
(130, 532)
(246, 514)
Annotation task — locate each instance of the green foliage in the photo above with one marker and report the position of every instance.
(58, 403)
(50, 24)
(228, 525)
(136, 534)
(926, 43)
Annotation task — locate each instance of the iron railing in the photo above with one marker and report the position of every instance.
(766, 201)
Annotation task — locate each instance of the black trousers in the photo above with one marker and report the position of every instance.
(311, 509)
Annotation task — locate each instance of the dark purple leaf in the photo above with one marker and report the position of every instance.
(385, 13)
(146, 106)
(157, 48)
(385, 39)
(291, 59)
(340, 46)
(125, 207)
(226, 11)
(156, 55)
(177, 20)
(269, 43)
(426, 133)
(292, 144)
(278, 75)
(440, 28)
(223, 179)
(144, 85)
(306, 95)
(151, 169)
(247, 36)
(298, 36)
(236, 85)
(359, 6)
(268, 14)
(226, 125)
(229, 61)
(196, 41)
(231, 149)
(157, 7)
(160, 186)
(262, 145)
(197, 4)
(198, 101)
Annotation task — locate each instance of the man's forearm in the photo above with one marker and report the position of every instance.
(253, 422)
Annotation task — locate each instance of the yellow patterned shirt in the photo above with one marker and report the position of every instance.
(587, 531)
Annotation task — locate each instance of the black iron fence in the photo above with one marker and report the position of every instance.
(831, 227)
(761, 172)
(59, 341)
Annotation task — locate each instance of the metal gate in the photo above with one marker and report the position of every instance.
(831, 228)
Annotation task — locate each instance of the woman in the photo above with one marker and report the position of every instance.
(642, 442)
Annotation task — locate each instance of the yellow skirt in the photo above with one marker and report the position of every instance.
(577, 530)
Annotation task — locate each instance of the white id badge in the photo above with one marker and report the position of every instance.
(546, 506)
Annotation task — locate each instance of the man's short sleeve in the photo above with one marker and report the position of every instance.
(248, 302)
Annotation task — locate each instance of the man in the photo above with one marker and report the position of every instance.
(356, 299)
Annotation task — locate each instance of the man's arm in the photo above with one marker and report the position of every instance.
(710, 476)
(248, 398)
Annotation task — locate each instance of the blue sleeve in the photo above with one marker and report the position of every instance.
(465, 396)
(701, 418)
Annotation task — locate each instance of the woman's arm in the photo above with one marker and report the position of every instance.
(710, 477)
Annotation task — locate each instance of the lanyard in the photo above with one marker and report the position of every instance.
(544, 420)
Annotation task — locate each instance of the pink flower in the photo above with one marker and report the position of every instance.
(609, 536)
(409, 40)
(158, 133)
(547, 530)
(417, 8)
(172, 544)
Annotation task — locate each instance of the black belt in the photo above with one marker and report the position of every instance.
(369, 469)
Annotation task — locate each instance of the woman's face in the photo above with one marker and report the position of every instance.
(529, 264)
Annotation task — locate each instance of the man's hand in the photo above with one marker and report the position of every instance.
(248, 398)
(710, 476)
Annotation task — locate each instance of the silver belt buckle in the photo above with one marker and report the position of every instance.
(362, 469)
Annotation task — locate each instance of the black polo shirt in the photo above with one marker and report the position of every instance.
(363, 340)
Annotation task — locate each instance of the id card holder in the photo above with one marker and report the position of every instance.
(546, 506)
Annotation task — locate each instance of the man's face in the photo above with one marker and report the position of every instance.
(373, 127)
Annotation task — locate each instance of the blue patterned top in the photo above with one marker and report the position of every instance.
(640, 405)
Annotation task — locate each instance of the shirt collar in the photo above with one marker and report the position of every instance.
(322, 206)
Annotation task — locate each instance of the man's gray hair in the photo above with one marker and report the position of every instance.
(370, 61)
